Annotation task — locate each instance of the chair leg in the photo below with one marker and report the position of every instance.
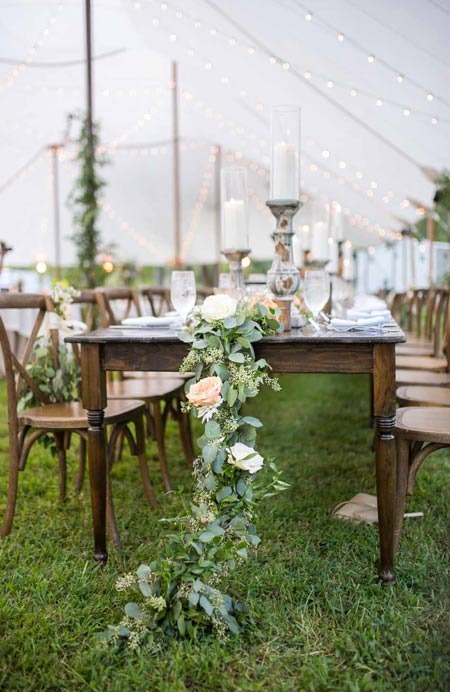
(159, 437)
(81, 465)
(62, 465)
(142, 458)
(403, 462)
(184, 424)
(11, 500)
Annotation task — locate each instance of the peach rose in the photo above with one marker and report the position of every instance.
(262, 299)
(206, 392)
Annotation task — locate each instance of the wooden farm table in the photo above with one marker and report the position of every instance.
(292, 352)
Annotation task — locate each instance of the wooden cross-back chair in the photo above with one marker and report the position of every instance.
(60, 419)
(436, 360)
(158, 298)
(162, 393)
(419, 432)
(430, 370)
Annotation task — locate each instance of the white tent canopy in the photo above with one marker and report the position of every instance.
(373, 81)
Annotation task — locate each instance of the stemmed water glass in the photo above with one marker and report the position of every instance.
(183, 293)
(316, 292)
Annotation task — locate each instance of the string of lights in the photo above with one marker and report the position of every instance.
(324, 81)
(371, 57)
(43, 35)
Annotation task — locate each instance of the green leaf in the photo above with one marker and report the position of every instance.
(229, 322)
(216, 529)
(206, 605)
(232, 396)
(143, 571)
(223, 493)
(193, 598)
(145, 588)
(133, 611)
(209, 453)
(212, 430)
(217, 464)
(181, 625)
(250, 420)
(244, 342)
(231, 622)
(215, 342)
(210, 482)
(242, 552)
(237, 357)
(200, 344)
(206, 536)
(221, 371)
(241, 487)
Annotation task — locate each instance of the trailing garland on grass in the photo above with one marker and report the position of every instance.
(183, 592)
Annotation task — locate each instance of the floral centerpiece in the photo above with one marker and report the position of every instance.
(183, 592)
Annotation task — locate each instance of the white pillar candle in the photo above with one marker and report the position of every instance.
(297, 251)
(333, 265)
(234, 220)
(285, 171)
(319, 242)
(348, 271)
(337, 227)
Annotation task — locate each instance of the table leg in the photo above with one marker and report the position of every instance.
(384, 411)
(93, 383)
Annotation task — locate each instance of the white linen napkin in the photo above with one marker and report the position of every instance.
(361, 324)
(148, 321)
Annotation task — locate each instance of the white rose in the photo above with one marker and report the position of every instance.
(218, 307)
(245, 458)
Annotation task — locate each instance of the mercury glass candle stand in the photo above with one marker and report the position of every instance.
(283, 277)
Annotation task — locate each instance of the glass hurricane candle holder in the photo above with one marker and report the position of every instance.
(234, 206)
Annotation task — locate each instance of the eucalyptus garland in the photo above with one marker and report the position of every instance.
(182, 593)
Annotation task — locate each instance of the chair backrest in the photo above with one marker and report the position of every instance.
(16, 365)
(441, 330)
(158, 298)
(116, 304)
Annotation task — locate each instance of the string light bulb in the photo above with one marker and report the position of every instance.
(407, 112)
(41, 267)
(430, 97)
(371, 58)
(340, 37)
(400, 78)
(308, 16)
(379, 102)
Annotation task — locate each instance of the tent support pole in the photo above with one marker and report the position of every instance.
(178, 261)
(54, 148)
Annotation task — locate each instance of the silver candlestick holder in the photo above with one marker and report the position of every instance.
(235, 258)
(283, 277)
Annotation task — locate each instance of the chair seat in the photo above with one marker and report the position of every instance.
(145, 389)
(431, 424)
(425, 377)
(68, 416)
(422, 363)
(423, 396)
(413, 350)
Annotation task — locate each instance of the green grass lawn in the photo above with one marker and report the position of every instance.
(323, 622)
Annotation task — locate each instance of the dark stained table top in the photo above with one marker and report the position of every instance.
(390, 334)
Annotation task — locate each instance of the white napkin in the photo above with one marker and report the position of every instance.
(361, 324)
(355, 314)
(148, 321)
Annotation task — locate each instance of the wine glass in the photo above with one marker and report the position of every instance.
(183, 293)
(316, 292)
